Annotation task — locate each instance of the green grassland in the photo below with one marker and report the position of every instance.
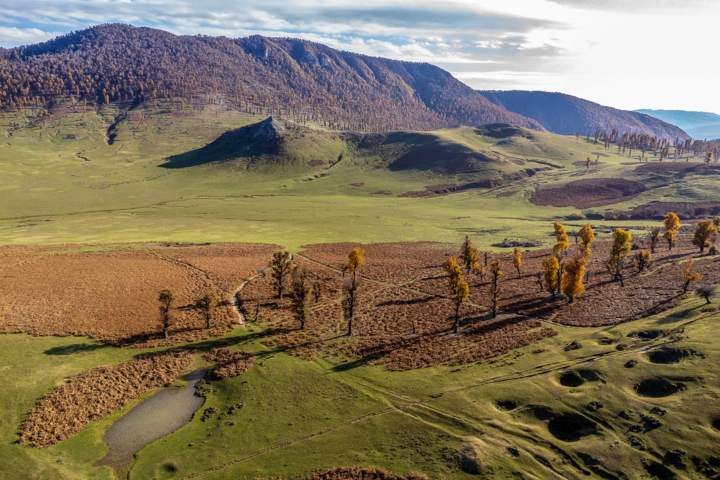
(301, 415)
(140, 187)
(170, 180)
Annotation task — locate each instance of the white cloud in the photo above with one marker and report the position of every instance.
(24, 36)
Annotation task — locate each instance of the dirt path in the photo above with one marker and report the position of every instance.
(236, 301)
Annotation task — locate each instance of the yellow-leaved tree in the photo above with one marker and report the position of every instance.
(587, 237)
(469, 255)
(458, 286)
(517, 260)
(672, 225)
(552, 267)
(642, 259)
(618, 253)
(355, 259)
(703, 232)
(572, 285)
(561, 237)
(690, 277)
(495, 272)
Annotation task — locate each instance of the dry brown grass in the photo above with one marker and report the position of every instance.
(95, 393)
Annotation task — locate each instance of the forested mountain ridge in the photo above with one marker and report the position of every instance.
(116, 63)
(700, 125)
(566, 115)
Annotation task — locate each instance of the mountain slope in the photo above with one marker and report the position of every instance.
(701, 125)
(566, 115)
(125, 65)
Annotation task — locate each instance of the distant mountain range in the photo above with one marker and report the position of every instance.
(699, 125)
(566, 115)
(122, 64)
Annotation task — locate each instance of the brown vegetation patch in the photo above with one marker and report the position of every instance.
(360, 184)
(95, 393)
(441, 187)
(658, 210)
(604, 302)
(584, 163)
(588, 193)
(507, 193)
(139, 119)
(229, 363)
(691, 168)
(316, 163)
(360, 473)
(111, 295)
(382, 192)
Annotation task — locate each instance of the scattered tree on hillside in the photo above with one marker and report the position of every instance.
(280, 265)
(703, 232)
(654, 237)
(572, 285)
(303, 290)
(517, 261)
(166, 298)
(708, 157)
(486, 257)
(317, 288)
(708, 291)
(672, 226)
(208, 303)
(469, 255)
(587, 237)
(618, 252)
(642, 259)
(552, 277)
(716, 221)
(495, 272)
(350, 300)
(459, 288)
(690, 277)
(355, 259)
(562, 243)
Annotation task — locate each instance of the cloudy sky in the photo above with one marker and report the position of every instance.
(624, 53)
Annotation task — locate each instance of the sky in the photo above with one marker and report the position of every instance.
(628, 54)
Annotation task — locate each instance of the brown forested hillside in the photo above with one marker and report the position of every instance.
(123, 64)
(567, 115)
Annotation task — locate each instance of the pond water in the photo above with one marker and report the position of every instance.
(150, 420)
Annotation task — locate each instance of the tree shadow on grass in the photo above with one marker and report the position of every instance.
(75, 349)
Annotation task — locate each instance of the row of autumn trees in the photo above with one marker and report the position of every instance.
(565, 271)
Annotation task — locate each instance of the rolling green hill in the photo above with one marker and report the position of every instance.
(145, 173)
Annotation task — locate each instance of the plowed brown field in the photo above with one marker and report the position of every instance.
(112, 295)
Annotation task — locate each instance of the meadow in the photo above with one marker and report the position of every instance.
(636, 397)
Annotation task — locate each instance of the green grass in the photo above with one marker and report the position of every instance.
(57, 191)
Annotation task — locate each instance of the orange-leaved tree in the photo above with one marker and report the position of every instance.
(690, 277)
(703, 232)
(552, 267)
(469, 255)
(572, 285)
(618, 252)
(495, 272)
(459, 288)
(642, 259)
(562, 243)
(672, 225)
(517, 261)
(355, 259)
(587, 237)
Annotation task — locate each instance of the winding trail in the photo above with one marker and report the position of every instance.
(235, 302)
